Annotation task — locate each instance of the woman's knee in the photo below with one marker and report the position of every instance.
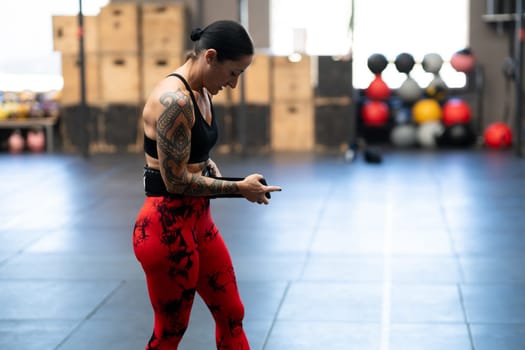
(230, 312)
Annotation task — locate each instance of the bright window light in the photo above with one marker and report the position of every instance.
(28, 61)
(417, 27)
(310, 26)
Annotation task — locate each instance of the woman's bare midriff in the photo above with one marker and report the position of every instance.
(194, 168)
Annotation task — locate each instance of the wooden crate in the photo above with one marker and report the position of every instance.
(292, 126)
(66, 38)
(119, 28)
(120, 78)
(164, 28)
(157, 66)
(71, 76)
(291, 80)
(257, 80)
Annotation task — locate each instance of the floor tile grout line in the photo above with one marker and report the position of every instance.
(466, 322)
(24, 248)
(443, 213)
(457, 256)
(301, 274)
(90, 315)
(274, 319)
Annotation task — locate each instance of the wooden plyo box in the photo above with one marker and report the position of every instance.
(71, 76)
(66, 34)
(163, 28)
(119, 28)
(155, 67)
(291, 80)
(120, 78)
(292, 126)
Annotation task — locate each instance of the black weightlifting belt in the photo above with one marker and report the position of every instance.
(154, 185)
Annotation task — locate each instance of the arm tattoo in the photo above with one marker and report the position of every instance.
(174, 134)
(219, 186)
(174, 141)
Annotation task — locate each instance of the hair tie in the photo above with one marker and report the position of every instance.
(196, 34)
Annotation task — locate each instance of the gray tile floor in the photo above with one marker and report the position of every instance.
(424, 251)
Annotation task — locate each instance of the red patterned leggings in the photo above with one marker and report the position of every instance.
(182, 252)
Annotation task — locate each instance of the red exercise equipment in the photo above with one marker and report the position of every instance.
(498, 135)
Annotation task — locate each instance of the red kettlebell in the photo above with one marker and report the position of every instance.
(16, 142)
(36, 141)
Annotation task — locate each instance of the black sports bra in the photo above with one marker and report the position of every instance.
(203, 135)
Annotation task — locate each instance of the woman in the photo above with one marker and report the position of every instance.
(175, 238)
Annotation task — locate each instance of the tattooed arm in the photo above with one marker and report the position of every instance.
(174, 146)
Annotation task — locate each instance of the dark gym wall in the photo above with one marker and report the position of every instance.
(259, 22)
(211, 11)
(491, 43)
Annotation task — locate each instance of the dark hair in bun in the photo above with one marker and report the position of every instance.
(196, 34)
(228, 38)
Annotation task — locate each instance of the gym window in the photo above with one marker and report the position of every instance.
(388, 27)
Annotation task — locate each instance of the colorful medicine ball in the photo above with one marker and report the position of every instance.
(437, 89)
(404, 135)
(498, 135)
(428, 133)
(378, 90)
(456, 111)
(409, 91)
(432, 63)
(377, 63)
(375, 113)
(463, 61)
(426, 110)
(404, 62)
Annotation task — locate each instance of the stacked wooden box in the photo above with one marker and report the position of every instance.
(66, 41)
(75, 127)
(128, 47)
(162, 41)
(246, 126)
(292, 115)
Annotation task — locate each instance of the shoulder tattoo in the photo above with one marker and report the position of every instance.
(173, 130)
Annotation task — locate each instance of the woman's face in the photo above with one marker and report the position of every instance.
(225, 73)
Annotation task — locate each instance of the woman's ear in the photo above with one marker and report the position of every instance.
(210, 55)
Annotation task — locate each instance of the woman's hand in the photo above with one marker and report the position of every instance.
(253, 190)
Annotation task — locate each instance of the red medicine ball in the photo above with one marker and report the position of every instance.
(378, 90)
(375, 113)
(463, 61)
(498, 135)
(456, 111)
